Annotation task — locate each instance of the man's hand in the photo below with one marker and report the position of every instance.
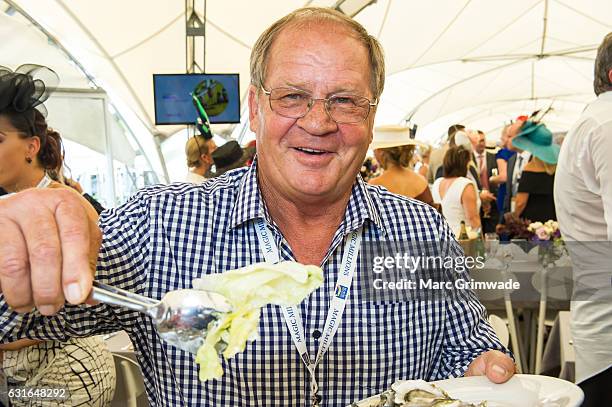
(486, 195)
(497, 366)
(47, 244)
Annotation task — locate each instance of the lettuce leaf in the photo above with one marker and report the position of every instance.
(247, 290)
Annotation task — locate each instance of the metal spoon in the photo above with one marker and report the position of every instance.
(182, 317)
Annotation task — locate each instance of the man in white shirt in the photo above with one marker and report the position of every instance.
(583, 199)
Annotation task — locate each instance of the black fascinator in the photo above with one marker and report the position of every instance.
(28, 87)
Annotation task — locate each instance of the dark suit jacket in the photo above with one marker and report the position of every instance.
(488, 224)
(509, 173)
(491, 164)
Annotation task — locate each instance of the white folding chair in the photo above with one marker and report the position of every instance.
(496, 271)
(500, 328)
(551, 282)
(130, 384)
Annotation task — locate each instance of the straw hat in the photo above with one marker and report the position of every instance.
(393, 136)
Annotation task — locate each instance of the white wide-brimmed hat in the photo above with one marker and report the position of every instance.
(462, 139)
(393, 136)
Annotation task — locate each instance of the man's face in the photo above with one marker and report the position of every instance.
(323, 60)
(473, 136)
(513, 130)
(481, 143)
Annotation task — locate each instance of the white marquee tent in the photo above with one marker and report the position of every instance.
(478, 62)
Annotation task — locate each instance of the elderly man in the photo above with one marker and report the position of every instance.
(316, 77)
(583, 200)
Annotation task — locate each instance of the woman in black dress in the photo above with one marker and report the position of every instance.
(535, 199)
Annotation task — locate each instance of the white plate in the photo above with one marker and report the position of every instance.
(520, 391)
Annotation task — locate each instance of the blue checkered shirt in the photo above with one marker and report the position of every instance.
(166, 236)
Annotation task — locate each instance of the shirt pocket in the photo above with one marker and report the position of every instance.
(400, 340)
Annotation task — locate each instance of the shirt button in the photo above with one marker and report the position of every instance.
(316, 334)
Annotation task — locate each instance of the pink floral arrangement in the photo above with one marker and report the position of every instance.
(543, 232)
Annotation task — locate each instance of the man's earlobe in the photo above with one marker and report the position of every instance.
(253, 108)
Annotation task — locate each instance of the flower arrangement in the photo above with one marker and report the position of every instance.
(513, 228)
(548, 238)
(545, 236)
(370, 169)
(542, 232)
(524, 229)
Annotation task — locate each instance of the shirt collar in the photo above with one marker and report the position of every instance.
(249, 204)
(361, 208)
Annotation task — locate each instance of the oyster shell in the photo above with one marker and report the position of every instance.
(419, 393)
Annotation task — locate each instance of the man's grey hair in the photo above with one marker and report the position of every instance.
(603, 65)
(301, 18)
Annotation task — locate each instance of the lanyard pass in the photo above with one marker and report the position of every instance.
(314, 387)
(292, 315)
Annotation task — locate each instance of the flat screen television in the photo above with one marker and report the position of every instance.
(219, 94)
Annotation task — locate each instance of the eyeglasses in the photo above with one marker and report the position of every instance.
(294, 103)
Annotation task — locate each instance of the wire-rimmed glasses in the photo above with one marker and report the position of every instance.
(295, 103)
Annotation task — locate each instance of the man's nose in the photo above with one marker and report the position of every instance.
(317, 121)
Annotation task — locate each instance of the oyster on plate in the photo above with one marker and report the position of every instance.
(419, 393)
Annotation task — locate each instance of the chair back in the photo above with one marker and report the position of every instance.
(500, 328)
(130, 384)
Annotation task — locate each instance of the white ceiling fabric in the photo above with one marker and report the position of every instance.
(75, 93)
(484, 62)
(478, 61)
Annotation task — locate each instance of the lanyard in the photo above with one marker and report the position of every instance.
(292, 314)
(44, 182)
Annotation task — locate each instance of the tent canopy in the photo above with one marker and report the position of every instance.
(475, 61)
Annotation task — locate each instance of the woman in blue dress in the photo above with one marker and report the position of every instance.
(502, 156)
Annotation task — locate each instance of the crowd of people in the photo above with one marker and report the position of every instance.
(304, 185)
(467, 180)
